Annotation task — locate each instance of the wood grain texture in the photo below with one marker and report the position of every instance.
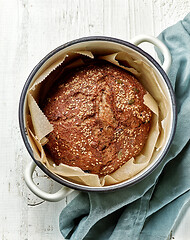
(28, 31)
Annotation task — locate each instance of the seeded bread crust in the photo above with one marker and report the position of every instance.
(99, 118)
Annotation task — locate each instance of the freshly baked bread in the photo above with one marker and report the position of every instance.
(99, 118)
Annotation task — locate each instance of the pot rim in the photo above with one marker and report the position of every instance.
(126, 183)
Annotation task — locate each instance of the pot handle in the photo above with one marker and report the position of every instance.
(155, 41)
(54, 197)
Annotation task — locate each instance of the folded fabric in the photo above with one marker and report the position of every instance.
(149, 209)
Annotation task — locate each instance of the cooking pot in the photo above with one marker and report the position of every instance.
(107, 42)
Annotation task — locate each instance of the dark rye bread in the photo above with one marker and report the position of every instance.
(99, 118)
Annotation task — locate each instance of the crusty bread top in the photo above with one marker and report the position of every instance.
(99, 118)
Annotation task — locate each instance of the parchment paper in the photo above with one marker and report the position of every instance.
(38, 126)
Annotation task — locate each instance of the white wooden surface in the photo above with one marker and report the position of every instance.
(29, 29)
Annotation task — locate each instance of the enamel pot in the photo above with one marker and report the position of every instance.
(90, 42)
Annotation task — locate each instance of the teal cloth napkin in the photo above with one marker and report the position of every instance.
(149, 209)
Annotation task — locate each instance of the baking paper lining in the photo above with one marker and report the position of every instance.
(38, 126)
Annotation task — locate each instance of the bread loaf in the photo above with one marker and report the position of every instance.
(99, 118)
